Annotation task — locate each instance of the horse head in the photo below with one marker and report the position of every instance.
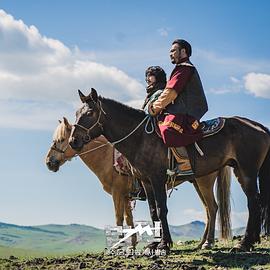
(88, 124)
(60, 151)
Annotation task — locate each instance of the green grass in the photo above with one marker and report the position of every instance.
(6, 252)
(184, 256)
(49, 239)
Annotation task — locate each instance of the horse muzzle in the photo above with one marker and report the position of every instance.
(53, 164)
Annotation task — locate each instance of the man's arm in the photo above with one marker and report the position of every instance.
(168, 96)
(175, 86)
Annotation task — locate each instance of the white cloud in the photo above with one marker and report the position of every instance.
(235, 80)
(234, 86)
(230, 65)
(194, 214)
(163, 31)
(45, 74)
(258, 84)
(136, 103)
(33, 114)
(240, 74)
(239, 219)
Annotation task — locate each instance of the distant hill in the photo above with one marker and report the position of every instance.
(68, 239)
(51, 239)
(193, 230)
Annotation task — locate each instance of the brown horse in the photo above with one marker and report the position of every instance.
(98, 156)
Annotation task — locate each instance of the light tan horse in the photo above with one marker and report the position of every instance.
(100, 161)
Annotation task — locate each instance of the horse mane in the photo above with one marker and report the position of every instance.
(115, 105)
(60, 133)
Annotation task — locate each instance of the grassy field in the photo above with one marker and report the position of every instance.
(49, 240)
(185, 257)
(56, 240)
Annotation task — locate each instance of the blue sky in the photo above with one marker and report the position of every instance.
(49, 49)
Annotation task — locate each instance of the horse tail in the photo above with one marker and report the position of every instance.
(223, 197)
(264, 185)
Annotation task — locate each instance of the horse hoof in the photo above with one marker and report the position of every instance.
(148, 252)
(240, 247)
(150, 249)
(162, 249)
(207, 245)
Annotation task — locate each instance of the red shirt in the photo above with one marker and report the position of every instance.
(180, 76)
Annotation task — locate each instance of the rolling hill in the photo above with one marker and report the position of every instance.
(74, 238)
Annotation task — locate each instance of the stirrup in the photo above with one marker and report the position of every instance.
(137, 196)
(177, 172)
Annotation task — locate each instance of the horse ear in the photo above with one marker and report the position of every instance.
(66, 121)
(82, 96)
(94, 94)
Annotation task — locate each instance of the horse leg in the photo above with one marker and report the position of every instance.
(249, 185)
(207, 215)
(151, 202)
(149, 249)
(205, 190)
(162, 211)
(118, 202)
(129, 220)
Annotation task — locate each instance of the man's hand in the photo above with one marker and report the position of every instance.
(148, 109)
(167, 96)
(149, 106)
(151, 109)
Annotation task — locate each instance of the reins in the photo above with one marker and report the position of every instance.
(120, 140)
(124, 138)
(147, 118)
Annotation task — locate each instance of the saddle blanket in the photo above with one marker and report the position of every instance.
(120, 163)
(212, 127)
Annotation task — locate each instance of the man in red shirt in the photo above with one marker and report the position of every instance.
(180, 106)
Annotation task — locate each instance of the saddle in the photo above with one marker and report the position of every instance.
(123, 167)
(208, 127)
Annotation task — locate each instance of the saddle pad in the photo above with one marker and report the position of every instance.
(213, 126)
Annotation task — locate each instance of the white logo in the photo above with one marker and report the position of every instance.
(139, 229)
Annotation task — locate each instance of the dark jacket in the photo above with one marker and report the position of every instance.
(191, 100)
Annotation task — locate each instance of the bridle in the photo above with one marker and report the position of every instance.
(55, 148)
(87, 137)
(61, 151)
(148, 119)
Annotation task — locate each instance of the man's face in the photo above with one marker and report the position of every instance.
(150, 80)
(175, 53)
